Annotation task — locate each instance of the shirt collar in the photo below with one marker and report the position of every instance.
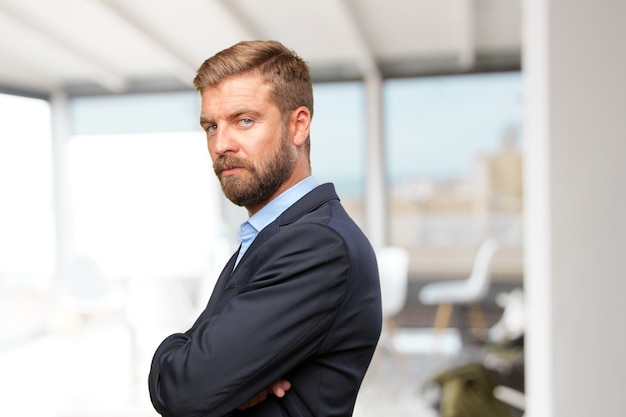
(251, 227)
(277, 206)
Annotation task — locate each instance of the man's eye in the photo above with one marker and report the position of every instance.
(246, 121)
(210, 128)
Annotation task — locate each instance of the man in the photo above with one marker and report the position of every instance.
(294, 318)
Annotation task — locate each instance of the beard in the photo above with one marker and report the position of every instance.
(264, 179)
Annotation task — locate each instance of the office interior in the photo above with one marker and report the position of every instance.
(118, 243)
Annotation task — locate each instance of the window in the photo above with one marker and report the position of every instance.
(454, 157)
(143, 202)
(338, 142)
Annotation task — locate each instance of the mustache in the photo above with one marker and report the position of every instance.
(227, 162)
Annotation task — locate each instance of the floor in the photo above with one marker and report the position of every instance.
(86, 371)
(399, 381)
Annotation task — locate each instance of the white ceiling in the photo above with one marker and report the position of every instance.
(114, 46)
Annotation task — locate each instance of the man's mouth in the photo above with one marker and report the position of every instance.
(229, 171)
(228, 167)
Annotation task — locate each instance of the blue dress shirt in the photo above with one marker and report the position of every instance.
(251, 227)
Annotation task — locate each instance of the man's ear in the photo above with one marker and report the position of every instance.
(300, 125)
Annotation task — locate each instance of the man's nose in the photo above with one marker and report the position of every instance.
(224, 141)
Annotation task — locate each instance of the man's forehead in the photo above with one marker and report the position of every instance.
(236, 96)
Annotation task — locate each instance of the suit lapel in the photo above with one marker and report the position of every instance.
(231, 277)
(222, 281)
(308, 202)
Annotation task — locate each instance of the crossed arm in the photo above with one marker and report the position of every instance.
(288, 306)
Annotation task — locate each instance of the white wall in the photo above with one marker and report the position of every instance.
(575, 69)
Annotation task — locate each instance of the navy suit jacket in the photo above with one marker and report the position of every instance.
(303, 304)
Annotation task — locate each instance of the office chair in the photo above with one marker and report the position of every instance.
(393, 267)
(470, 291)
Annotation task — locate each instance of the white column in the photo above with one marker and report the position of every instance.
(63, 218)
(575, 177)
(376, 222)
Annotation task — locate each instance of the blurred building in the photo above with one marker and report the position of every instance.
(497, 178)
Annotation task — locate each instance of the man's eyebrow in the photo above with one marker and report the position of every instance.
(244, 112)
(233, 116)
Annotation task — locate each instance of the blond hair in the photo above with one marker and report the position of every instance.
(279, 66)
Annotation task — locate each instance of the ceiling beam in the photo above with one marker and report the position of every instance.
(365, 59)
(240, 16)
(105, 76)
(467, 34)
(184, 68)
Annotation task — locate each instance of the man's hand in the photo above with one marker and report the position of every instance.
(278, 388)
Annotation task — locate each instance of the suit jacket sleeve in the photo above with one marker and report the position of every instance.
(273, 315)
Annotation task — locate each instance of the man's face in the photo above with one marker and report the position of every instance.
(248, 142)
